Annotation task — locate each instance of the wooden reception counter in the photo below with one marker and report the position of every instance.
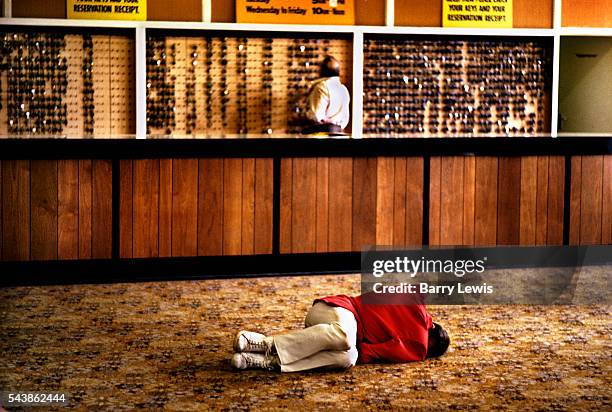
(76, 210)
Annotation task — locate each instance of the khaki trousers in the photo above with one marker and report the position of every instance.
(328, 341)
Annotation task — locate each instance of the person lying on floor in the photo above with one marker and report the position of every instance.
(341, 331)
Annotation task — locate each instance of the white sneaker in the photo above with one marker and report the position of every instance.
(247, 360)
(252, 342)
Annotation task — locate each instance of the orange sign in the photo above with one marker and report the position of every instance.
(340, 12)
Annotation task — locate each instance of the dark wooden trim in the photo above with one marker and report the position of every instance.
(276, 207)
(93, 30)
(189, 32)
(567, 194)
(221, 267)
(156, 269)
(116, 207)
(13, 149)
(426, 182)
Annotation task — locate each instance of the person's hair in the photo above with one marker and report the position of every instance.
(330, 67)
(438, 341)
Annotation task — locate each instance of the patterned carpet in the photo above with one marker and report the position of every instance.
(167, 345)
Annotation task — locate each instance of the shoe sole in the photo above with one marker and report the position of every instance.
(237, 342)
(235, 363)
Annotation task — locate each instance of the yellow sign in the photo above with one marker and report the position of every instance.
(107, 9)
(296, 11)
(477, 13)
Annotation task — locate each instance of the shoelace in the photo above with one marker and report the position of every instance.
(259, 345)
(252, 361)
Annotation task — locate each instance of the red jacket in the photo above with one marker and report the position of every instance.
(392, 333)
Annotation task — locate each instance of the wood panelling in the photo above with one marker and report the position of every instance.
(350, 204)
(125, 208)
(232, 206)
(1, 216)
(175, 10)
(590, 196)
(556, 197)
(426, 13)
(463, 199)
(589, 13)
(485, 201)
(414, 201)
(286, 205)
(196, 207)
(322, 234)
(529, 184)
(188, 207)
(508, 201)
(304, 207)
(542, 200)
(68, 209)
(533, 13)
(469, 190)
(15, 210)
(366, 196)
(575, 195)
(248, 206)
(384, 204)
(316, 217)
(446, 200)
(85, 208)
(102, 210)
(184, 207)
(264, 200)
(43, 210)
(56, 209)
(399, 201)
(606, 210)
(165, 207)
(370, 12)
(145, 198)
(399, 209)
(51, 9)
(590, 200)
(435, 190)
(496, 201)
(451, 200)
(210, 207)
(340, 206)
(223, 11)
(526, 13)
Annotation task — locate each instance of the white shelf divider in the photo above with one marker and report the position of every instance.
(586, 31)
(456, 31)
(298, 28)
(141, 83)
(557, 13)
(206, 11)
(110, 24)
(357, 95)
(390, 13)
(7, 9)
(554, 109)
(554, 100)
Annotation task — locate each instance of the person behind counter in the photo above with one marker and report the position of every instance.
(328, 101)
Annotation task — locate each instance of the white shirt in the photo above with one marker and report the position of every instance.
(328, 102)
